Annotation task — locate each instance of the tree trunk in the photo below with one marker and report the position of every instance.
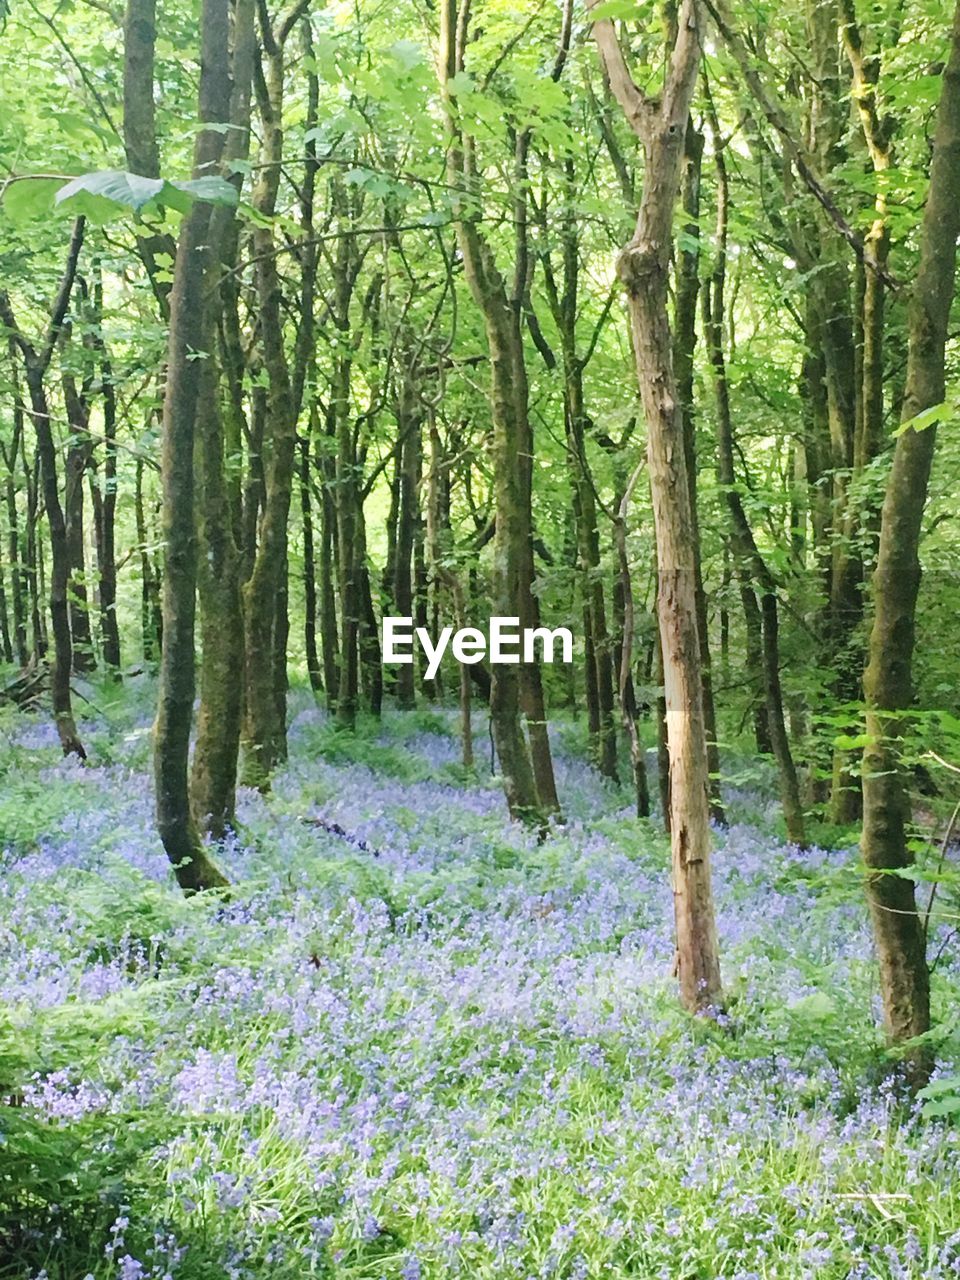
(410, 463)
(309, 571)
(33, 574)
(684, 345)
(750, 565)
(36, 362)
(18, 579)
(75, 468)
(151, 616)
(511, 577)
(105, 511)
(264, 592)
(644, 267)
(329, 639)
(190, 333)
(898, 931)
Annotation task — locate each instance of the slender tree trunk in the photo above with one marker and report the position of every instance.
(898, 931)
(347, 499)
(410, 463)
(628, 701)
(76, 466)
(140, 131)
(644, 268)
(750, 565)
(369, 639)
(264, 592)
(5, 646)
(36, 363)
(105, 511)
(309, 571)
(184, 399)
(59, 571)
(214, 772)
(684, 345)
(31, 558)
(510, 437)
(329, 638)
(17, 575)
(150, 633)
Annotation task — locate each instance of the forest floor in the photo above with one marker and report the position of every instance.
(429, 1047)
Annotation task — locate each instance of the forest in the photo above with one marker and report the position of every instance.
(479, 701)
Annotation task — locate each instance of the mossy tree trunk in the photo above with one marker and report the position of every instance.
(183, 399)
(898, 930)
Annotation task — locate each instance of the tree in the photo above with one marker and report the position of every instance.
(898, 930)
(644, 268)
(186, 394)
(36, 361)
(529, 784)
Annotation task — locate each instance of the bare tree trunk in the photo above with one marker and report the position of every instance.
(151, 621)
(140, 130)
(33, 573)
(75, 470)
(644, 268)
(329, 638)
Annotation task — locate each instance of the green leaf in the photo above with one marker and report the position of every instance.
(130, 190)
(407, 53)
(461, 83)
(945, 1107)
(211, 190)
(29, 197)
(926, 418)
(104, 194)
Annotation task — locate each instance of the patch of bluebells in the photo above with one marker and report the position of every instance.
(458, 1053)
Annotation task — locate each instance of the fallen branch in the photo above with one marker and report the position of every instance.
(335, 829)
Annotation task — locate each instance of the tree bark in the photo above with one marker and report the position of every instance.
(750, 565)
(104, 497)
(510, 434)
(185, 392)
(643, 267)
(898, 931)
(410, 465)
(18, 579)
(264, 592)
(213, 776)
(684, 346)
(36, 363)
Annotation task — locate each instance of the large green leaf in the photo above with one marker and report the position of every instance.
(926, 418)
(29, 197)
(129, 190)
(105, 194)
